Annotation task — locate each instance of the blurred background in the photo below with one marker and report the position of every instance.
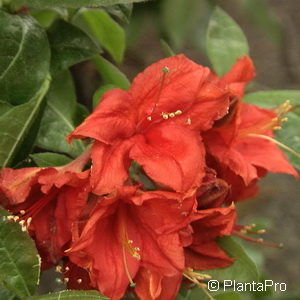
(272, 30)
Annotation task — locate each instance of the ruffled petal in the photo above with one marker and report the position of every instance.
(172, 156)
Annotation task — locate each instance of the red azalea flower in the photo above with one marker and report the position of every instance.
(240, 144)
(129, 230)
(47, 202)
(251, 147)
(151, 124)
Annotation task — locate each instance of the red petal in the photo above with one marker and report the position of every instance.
(110, 166)
(239, 75)
(16, 184)
(207, 256)
(153, 286)
(172, 156)
(186, 86)
(112, 121)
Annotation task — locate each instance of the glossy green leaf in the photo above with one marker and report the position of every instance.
(100, 92)
(16, 124)
(19, 260)
(4, 107)
(49, 159)
(120, 11)
(59, 117)
(290, 132)
(225, 41)
(24, 60)
(73, 3)
(110, 74)
(69, 45)
(70, 295)
(45, 17)
(243, 269)
(104, 30)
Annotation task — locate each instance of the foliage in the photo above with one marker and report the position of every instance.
(39, 105)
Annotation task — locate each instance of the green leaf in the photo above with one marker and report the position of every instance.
(166, 48)
(104, 30)
(100, 92)
(225, 41)
(179, 18)
(70, 295)
(73, 3)
(243, 269)
(24, 60)
(19, 260)
(121, 11)
(4, 107)
(69, 45)
(59, 117)
(7, 295)
(49, 159)
(270, 99)
(110, 74)
(290, 133)
(228, 296)
(16, 124)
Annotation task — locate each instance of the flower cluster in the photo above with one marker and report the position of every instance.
(142, 208)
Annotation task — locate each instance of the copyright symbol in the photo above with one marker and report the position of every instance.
(213, 285)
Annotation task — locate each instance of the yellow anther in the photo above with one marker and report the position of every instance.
(10, 217)
(22, 222)
(261, 231)
(149, 118)
(22, 212)
(178, 112)
(67, 269)
(165, 69)
(189, 121)
(66, 279)
(165, 116)
(171, 115)
(29, 221)
(79, 280)
(58, 269)
(16, 218)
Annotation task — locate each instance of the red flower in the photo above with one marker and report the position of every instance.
(152, 124)
(47, 202)
(240, 144)
(130, 230)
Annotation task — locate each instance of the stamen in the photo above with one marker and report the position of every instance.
(132, 283)
(79, 280)
(149, 118)
(189, 121)
(258, 241)
(195, 277)
(275, 142)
